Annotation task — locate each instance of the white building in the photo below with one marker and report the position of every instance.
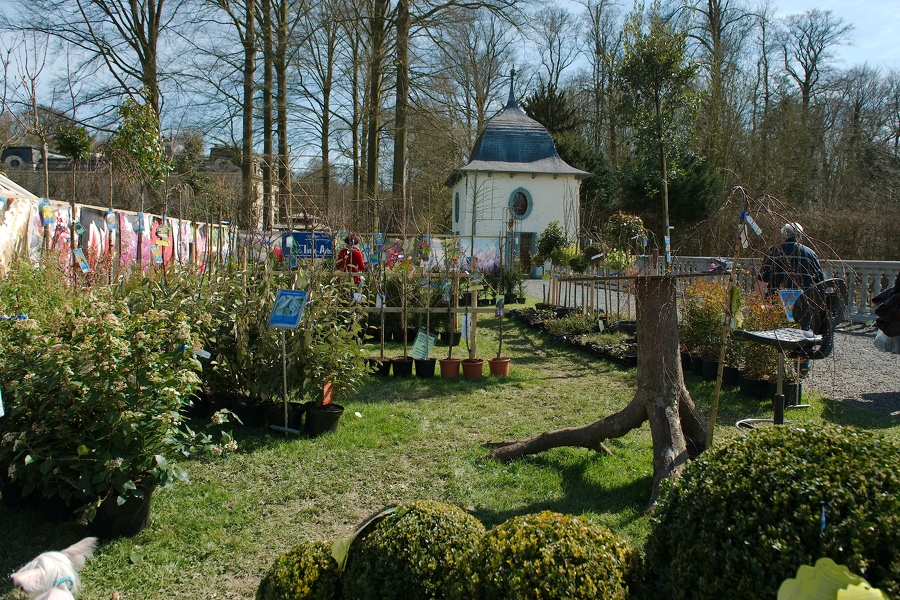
(514, 185)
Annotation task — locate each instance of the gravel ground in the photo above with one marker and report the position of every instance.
(856, 373)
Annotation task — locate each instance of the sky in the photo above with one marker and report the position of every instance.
(876, 28)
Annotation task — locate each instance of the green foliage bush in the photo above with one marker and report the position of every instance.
(548, 555)
(308, 572)
(93, 398)
(700, 329)
(761, 314)
(413, 553)
(743, 518)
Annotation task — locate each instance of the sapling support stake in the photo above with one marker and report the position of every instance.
(726, 325)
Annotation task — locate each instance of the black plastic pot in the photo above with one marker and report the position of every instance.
(115, 520)
(403, 366)
(322, 419)
(380, 366)
(446, 337)
(731, 376)
(425, 367)
(710, 368)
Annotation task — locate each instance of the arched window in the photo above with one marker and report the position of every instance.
(520, 203)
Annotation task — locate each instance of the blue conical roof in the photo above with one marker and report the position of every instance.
(514, 142)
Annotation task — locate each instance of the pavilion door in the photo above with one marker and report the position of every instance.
(525, 242)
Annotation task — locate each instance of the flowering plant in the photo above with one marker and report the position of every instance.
(94, 402)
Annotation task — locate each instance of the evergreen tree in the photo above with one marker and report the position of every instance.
(550, 107)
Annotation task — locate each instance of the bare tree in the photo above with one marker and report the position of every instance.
(120, 38)
(720, 28)
(677, 428)
(556, 32)
(604, 32)
(317, 62)
(474, 55)
(807, 43)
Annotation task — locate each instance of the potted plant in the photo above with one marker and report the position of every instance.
(326, 361)
(450, 365)
(425, 366)
(499, 365)
(759, 362)
(702, 320)
(403, 364)
(94, 405)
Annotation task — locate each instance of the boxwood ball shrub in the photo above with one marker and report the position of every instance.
(308, 572)
(548, 555)
(743, 518)
(413, 553)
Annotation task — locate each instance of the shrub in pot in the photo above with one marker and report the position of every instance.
(415, 552)
(94, 409)
(247, 353)
(760, 314)
(702, 316)
(308, 572)
(547, 555)
(742, 518)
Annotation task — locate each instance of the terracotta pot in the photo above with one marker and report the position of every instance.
(498, 367)
(473, 368)
(450, 368)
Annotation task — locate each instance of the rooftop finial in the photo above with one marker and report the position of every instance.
(511, 102)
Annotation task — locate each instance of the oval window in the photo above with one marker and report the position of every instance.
(520, 204)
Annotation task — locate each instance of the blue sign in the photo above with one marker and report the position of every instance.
(288, 309)
(306, 244)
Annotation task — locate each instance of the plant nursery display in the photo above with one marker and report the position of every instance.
(94, 403)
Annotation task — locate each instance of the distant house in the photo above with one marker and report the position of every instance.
(514, 185)
(29, 157)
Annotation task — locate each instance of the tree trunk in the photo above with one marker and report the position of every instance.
(268, 128)
(281, 76)
(377, 33)
(401, 116)
(677, 428)
(248, 187)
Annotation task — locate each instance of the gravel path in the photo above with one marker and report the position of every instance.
(856, 373)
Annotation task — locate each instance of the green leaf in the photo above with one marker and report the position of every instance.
(339, 551)
(82, 450)
(180, 474)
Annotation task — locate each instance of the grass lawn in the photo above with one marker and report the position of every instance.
(412, 439)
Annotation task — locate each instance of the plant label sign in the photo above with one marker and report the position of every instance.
(288, 309)
(82, 260)
(788, 298)
(423, 345)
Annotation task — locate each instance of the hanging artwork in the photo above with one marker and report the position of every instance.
(95, 243)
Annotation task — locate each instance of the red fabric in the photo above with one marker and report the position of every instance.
(351, 261)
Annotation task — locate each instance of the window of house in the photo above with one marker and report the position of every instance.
(520, 203)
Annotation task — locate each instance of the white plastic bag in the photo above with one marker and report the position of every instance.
(887, 344)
